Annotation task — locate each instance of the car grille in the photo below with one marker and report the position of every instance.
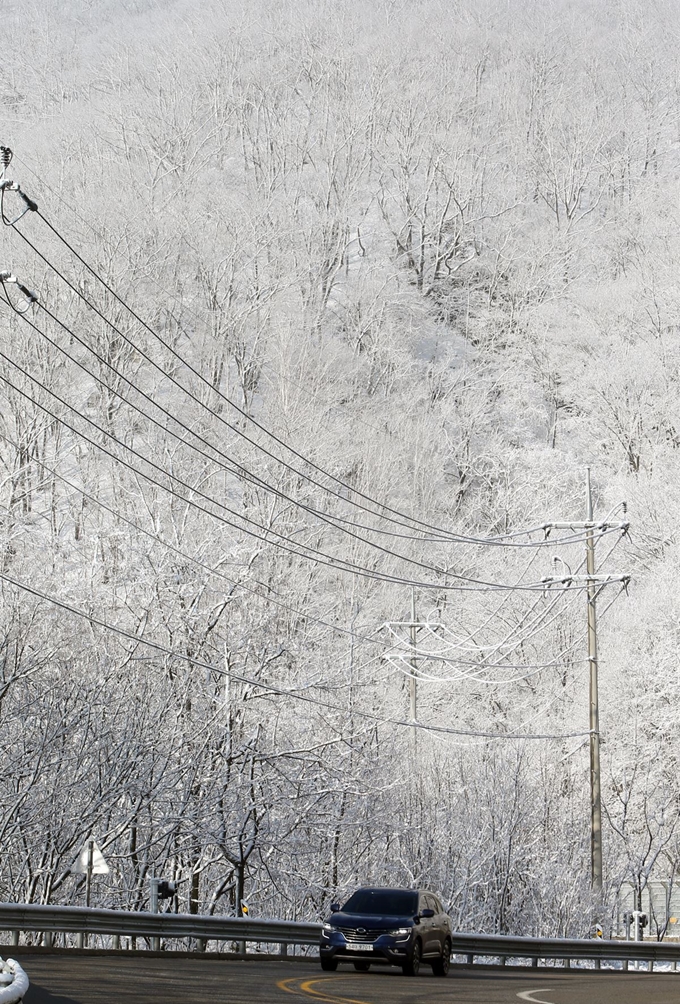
(361, 934)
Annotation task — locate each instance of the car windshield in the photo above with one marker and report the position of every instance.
(389, 902)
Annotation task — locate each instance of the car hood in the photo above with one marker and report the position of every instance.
(370, 921)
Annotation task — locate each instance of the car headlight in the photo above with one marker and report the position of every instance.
(400, 932)
(326, 930)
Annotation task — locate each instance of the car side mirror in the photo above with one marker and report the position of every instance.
(427, 913)
(335, 907)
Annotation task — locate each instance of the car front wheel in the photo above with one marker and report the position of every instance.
(441, 966)
(362, 967)
(329, 965)
(412, 967)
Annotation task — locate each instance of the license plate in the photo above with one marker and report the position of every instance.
(360, 948)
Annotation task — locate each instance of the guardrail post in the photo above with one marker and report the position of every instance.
(47, 939)
(200, 944)
(625, 965)
(504, 960)
(80, 943)
(567, 963)
(15, 938)
(284, 948)
(650, 966)
(116, 941)
(534, 962)
(598, 963)
(470, 960)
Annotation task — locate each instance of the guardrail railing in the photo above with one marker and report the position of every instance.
(48, 919)
(505, 947)
(33, 917)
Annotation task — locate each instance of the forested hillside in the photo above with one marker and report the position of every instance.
(398, 273)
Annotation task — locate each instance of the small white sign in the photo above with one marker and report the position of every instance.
(99, 865)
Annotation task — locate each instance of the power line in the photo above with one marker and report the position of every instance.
(211, 571)
(237, 584)
(237, 470)
(275, 599)
(220, 418)
(504, 540)
(404, 653)
(333, 518)
(203, 565)
(367, 639)
(539, 623)
(268, 688)
(480, 666)
(499, 540)
(464, 583)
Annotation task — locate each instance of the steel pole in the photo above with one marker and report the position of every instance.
(153, 906)
(82, 938)
(90, 867)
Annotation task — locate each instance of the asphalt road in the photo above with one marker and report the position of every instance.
(135, 980)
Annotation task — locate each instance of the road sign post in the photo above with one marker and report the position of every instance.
(89, 862)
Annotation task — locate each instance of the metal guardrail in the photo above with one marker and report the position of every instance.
(14, 991)
(597, 949)
(85, 920)
(81, 920)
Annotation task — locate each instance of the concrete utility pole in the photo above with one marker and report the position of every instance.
(595, 793)
(414, 662)
(412, 626)
(593, 581)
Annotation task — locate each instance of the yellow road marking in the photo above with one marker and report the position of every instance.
(302, 987)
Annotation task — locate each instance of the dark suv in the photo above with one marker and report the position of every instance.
(397, 927)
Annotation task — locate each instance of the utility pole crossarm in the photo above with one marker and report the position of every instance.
(587, 524)
(598, 580)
